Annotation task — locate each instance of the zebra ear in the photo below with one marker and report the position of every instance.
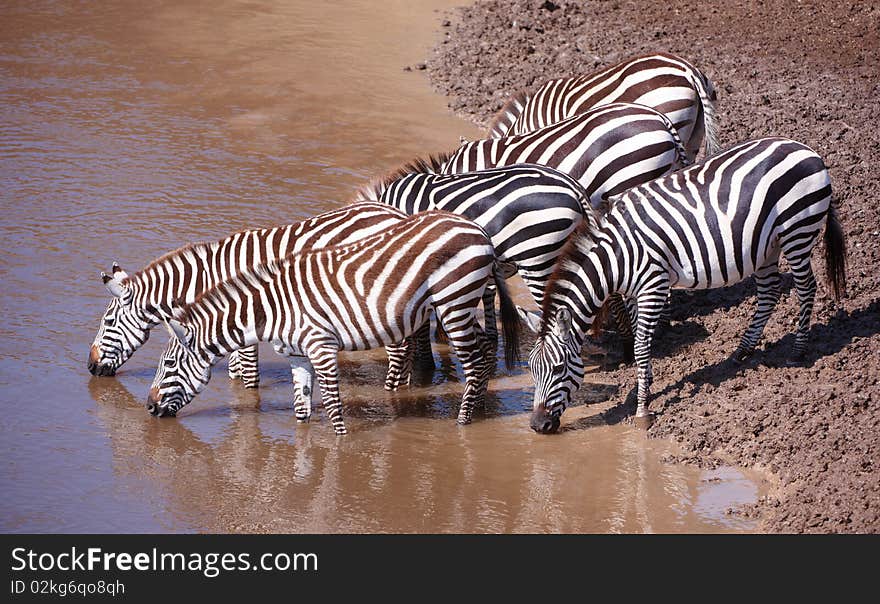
(113, 285)
(563, 323)
(178, 331)
(531, 318)
(118, 273)
(177, 305)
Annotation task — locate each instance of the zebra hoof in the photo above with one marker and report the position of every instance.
(463, 421)
(341, 432)
(741, 355)
(644, 422)
(796, 360)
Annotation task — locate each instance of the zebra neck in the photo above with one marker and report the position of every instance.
(176, 277)
(585, 289)
(231, 316)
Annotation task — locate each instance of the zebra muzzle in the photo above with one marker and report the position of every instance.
(96, 367)
(155, 406)
(546, 425)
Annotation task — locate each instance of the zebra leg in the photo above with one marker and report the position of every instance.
(767, 281)
(624, 326)
(489, 317)
(233, 365)
(400, 363)
(325, 362)
(805, 285)
(424, 354)
(303, 388)
(248, 366)
(650, 305)
(666, 312)
(472, 349)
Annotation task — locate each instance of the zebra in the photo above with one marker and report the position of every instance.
(665, 82)
(528, 211)
(375, 292)
(710, 225)
(143, 300)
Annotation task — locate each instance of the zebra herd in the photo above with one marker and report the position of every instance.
(586, 188)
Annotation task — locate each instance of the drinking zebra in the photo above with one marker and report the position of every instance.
(665, 82)
(374, 292)
(709, 225)
(145, 299)
(528, 211)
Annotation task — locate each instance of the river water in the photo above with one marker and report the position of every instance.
(130, 128)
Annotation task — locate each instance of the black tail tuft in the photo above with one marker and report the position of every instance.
(835, 254)
(509, 321)
(440, 334)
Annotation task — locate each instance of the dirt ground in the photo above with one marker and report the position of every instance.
(809, 71)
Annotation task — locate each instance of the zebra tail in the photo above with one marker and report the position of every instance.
(440, 334)
(682, 160)
(599, 320)
(710, 118)
(835, 254)
(509, 320)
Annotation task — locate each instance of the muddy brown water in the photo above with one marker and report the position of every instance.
(128, 129)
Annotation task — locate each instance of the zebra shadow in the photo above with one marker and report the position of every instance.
(668, 340)
(592, 394)
(825, 339)
(690, 303)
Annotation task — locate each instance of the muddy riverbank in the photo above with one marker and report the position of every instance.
(807, 71)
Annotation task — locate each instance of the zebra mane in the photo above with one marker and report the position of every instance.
(518, 98)
(432, 164)
(572, 254)
(189, 248)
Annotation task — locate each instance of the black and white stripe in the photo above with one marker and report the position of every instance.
(528, 211)
(376, 292)
(664, 82)
(709, 225)
(607, 149)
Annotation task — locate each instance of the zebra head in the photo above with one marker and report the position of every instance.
(182, 373)
(556, 366)
(123, 329)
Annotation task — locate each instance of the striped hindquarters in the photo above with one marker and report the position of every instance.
(721, 220)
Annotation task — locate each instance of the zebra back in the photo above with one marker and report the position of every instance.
(662, 81)
(607, 149)
(181, 275)
(369, 293)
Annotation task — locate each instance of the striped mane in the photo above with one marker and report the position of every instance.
(578, 245)
(432, 164)
(518, 99)
(190, 248)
